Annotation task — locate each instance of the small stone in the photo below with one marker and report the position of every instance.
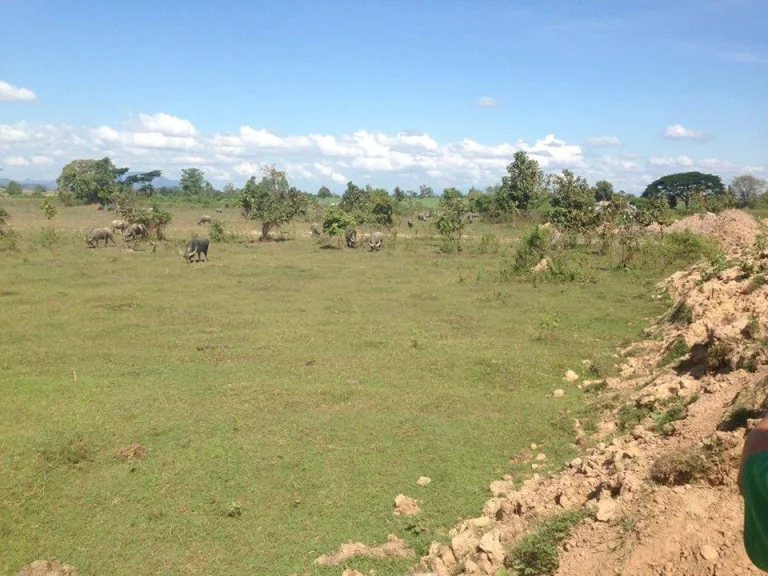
(709, 553)
(586, 364)
(534, 466)
(558, 393)
(534, 447)
(541, 457)
(571, 376)
(575, 463)
(606, 509)
(423, 481)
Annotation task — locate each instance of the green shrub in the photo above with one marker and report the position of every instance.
(681, 313)
(630, 415)
(718, 355)
(678, 411)
(756, 283)
(537, 553)
(9, 240)
(47, 237)
(531, 249)
(684, 465)
(489, 244)
(216, 231)
(677, 350)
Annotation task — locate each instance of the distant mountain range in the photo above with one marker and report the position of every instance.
(160, 182)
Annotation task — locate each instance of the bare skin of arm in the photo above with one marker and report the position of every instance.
(756, 441)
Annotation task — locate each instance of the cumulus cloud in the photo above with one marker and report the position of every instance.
(406, 158)
(10, 92)
(602, 141)
(487, 102)
(678, 132)
(166, 124)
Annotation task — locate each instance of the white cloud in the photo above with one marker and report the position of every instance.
(746, 57)
(603, 141)
(17, 133)
(678, 132)
(166, 124)
(16, 161)
(10, 92)
(754, 169)
(487, 102)
(328, 172)
(41, 160)
(680, 161)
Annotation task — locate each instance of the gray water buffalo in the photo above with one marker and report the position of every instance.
(410, 223)
(197, 246)
(350, 236)
(375, 241)
(219, 210)
(316, 231)
(204, 220)
(119, 225)
(424, 216)
(135, 231)
(97, 234)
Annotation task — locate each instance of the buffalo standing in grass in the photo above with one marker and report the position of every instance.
(350, 236)
(119, 225)
(204, 220)
(197, 246)
(99, 234)
(374, 242)
(219, 210)
(316, 229)
(135, 231)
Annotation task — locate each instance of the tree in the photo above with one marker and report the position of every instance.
(141, 182)
(336, 222)
(452, 218)
(684, 187)
(573, 203)
(229, 190)
(523, 187)
(13, 188)
(747, 188)
(91, 180)
(356, 202)
(426, 191)
(381, 208)
(398, 194)
(193, 182)
(603, 191)
(48, 209)
(324, 192)
(271, 201)
(39, 190)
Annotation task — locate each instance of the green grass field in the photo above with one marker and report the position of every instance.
(310, 386)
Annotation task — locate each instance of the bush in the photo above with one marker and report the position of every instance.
(47, 238)
(531, 249)
(681, 313)
(718, 355)
(9, 240)
(684, 465)
(336, 222)
(66, 198)
(489, 244)
(216, 231)
(155, 220)
(677, 350)
(537, 554)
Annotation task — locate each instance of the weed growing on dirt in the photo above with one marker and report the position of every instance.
(681, 313)
(537, 553)
(684, 465)
(677, 350)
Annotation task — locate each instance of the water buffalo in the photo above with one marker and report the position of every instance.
(204, 220)
(375, 241)
(410, 223)
(119, 225)
(135, 231)
(316, 229)
(424, 216)
(99, 234)
(350, 236)
(219, 210)
(196, 246)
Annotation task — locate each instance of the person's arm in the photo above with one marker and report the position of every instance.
(756, 441)
(753, 484)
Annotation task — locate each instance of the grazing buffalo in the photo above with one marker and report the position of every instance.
(219, 210)
(375, 241)
(350, 236)
(196, 246)
(135, 231)
(99, 234)
(424, 216)
(316, 229)
(119, 225)
(204, 220)
(472, 216)
(410, 223)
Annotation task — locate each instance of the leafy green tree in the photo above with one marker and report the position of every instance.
(522, 189)
(356, 202)
(91, 180)
(39, 189)
(4, 217)
(398, 194)
(229, 190)
(747, 188)
(49, 210)
(381, 208)
(324, 192)
(336, 222)
(483, 202)
(426, 191)
(683, 187)
(141, 183)
(193, 182)
(452, 218)
(573, 203)
(155, 220)
(272, 201)
(14, 188)
(603, 191)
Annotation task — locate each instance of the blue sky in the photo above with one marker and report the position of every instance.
(386, 92)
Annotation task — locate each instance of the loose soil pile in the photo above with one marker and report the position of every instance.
(734, 229)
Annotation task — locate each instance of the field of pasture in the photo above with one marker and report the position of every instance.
(285, 392)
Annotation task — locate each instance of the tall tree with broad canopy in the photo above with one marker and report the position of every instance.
(324, 192)
(684, 186)
(91, 180)
(13, 188)
(747, 188)
(573, 202)
(193, 182)
(426, 191)
(603, 191)
(522, 189)
(272, 201)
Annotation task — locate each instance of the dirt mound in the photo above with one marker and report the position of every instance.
(406, 506)
(656, 493)
(132, 452)
(394, 548)
(733, 229)
(48, 568)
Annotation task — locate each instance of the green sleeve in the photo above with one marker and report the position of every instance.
(754, 481)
